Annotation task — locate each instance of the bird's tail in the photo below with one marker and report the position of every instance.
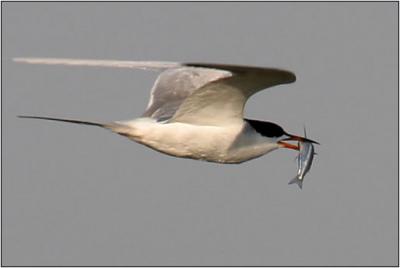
(113, 126)
(297, 181)
(65, 120)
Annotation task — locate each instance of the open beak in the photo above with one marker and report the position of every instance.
(294, 138)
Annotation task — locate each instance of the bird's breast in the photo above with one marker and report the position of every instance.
(221, 144)
(211, 143)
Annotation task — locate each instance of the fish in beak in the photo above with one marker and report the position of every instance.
(289, 137)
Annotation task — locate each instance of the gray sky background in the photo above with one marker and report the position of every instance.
(77, 195)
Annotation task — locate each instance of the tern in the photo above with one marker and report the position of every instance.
(196, 110)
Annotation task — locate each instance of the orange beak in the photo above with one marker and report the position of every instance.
(289, 145)
(294, 138)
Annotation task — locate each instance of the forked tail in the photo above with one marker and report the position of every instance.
(65, 120)
(297, 181)
(114, 127)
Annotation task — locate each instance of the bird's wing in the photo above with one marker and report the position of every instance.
(171, 88)
(221, 101)
(144, 65)
(196, 93)
(174, 85)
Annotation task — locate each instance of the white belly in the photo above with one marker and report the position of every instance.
(210, 143)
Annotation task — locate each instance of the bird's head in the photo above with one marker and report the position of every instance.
(276, 133)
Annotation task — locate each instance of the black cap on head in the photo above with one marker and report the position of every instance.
(267, 129)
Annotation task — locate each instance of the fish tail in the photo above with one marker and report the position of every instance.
(297, 181)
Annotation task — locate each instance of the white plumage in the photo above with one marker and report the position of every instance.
(196, 110)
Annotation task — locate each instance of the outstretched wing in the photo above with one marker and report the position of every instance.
(222, 101)
(175, 83)
(196, 93)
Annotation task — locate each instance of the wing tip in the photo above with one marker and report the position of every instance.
(145, 65)
(19, 59)
(291, 77)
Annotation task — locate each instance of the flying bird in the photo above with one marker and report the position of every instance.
(196, 110)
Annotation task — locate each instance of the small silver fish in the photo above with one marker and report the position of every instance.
(304, 161)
